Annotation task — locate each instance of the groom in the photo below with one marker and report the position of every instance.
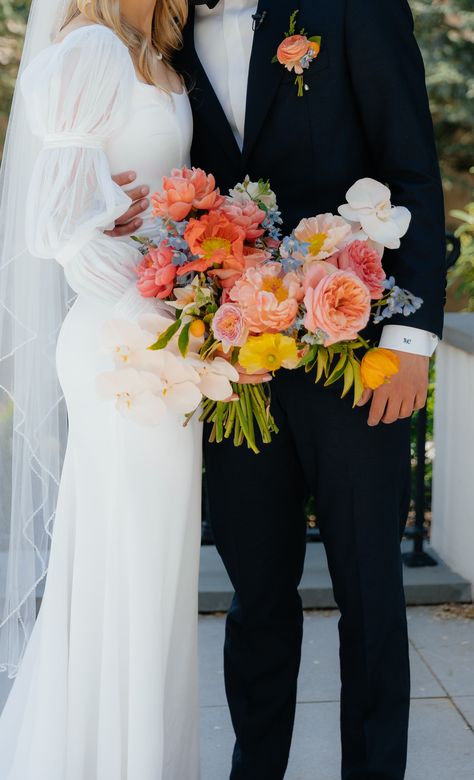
(364, 113)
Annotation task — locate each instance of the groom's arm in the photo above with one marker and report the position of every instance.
(388, 79)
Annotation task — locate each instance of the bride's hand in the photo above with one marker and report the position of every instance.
(131, 221)
(253, 379)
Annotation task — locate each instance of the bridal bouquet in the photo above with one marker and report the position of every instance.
(249, 301)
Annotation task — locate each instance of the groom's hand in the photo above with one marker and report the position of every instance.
(406, 392)
(131, 221)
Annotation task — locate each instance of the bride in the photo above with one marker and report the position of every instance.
(107, 688)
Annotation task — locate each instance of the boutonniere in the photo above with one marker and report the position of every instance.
(297, 52)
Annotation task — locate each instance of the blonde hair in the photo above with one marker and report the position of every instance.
(169, 19)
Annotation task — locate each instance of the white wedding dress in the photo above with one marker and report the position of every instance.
(108, 687)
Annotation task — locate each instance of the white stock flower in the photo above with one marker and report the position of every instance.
(368, 203)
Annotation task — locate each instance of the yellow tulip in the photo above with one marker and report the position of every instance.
(268, 352)
(377, 366)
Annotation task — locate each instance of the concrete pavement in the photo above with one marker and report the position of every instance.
(442, 719)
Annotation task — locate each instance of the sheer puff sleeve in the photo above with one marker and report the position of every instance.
(77, 94)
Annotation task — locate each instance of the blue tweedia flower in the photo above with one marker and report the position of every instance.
(399, 302)
(179, 258)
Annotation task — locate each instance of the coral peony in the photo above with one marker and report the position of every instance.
(186, 189)
(229, 327)
(377, 366)
(156, 273)
(325, 235)
(214, 240)
(246, 215)
(339, 306)
(268, 297)
(361, 258)
(291, 51)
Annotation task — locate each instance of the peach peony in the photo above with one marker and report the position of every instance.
(291, 51)
(361, 258)
(246, 215)
(339, 306)
(325, 234)
(156, 273)
(268, 297)
(214, 240)
(186, 189)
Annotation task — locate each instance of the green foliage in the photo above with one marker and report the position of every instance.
(445, 31)
(462, 275)
(13, 15)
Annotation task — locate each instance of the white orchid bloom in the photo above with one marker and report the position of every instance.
(125, 341)
(136, 394)
(368, 203)
(155, 324)
(180, 391)
(215, 377)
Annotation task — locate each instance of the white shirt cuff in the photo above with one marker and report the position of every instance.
(406, 339)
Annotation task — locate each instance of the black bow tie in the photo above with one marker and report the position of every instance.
(209, 3)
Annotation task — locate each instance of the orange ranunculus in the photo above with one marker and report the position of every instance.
(291, 51)
(214, 240)
(377, 366)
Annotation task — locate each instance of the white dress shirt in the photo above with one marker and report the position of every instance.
(223, 38)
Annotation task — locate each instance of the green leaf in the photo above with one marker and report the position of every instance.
(348, 378)
(338, 372)
(166, 337)
(309, 357)
(274, 60)
(183, 341)
(323, 358)
(316, 39)
(358, 386)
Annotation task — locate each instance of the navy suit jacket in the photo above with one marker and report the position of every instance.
(366, 113)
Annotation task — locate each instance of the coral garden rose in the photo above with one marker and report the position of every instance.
(377, 366)
(268, 297)
(214, 240)
(186, 189)
(325, 235)
(246, 215)
(339, 306)
(229, 327)
(361, 258)
(316, 272)
(291, 51)
(156, 273)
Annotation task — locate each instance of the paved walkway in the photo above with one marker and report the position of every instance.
(442, 720)
(442, 723)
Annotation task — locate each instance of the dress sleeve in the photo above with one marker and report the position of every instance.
(77, 94)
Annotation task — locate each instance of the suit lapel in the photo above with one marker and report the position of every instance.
(265, 76)
(203, 96)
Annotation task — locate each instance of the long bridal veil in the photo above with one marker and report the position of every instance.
(33, 424)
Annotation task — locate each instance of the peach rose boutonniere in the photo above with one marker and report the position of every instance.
(296, 53)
